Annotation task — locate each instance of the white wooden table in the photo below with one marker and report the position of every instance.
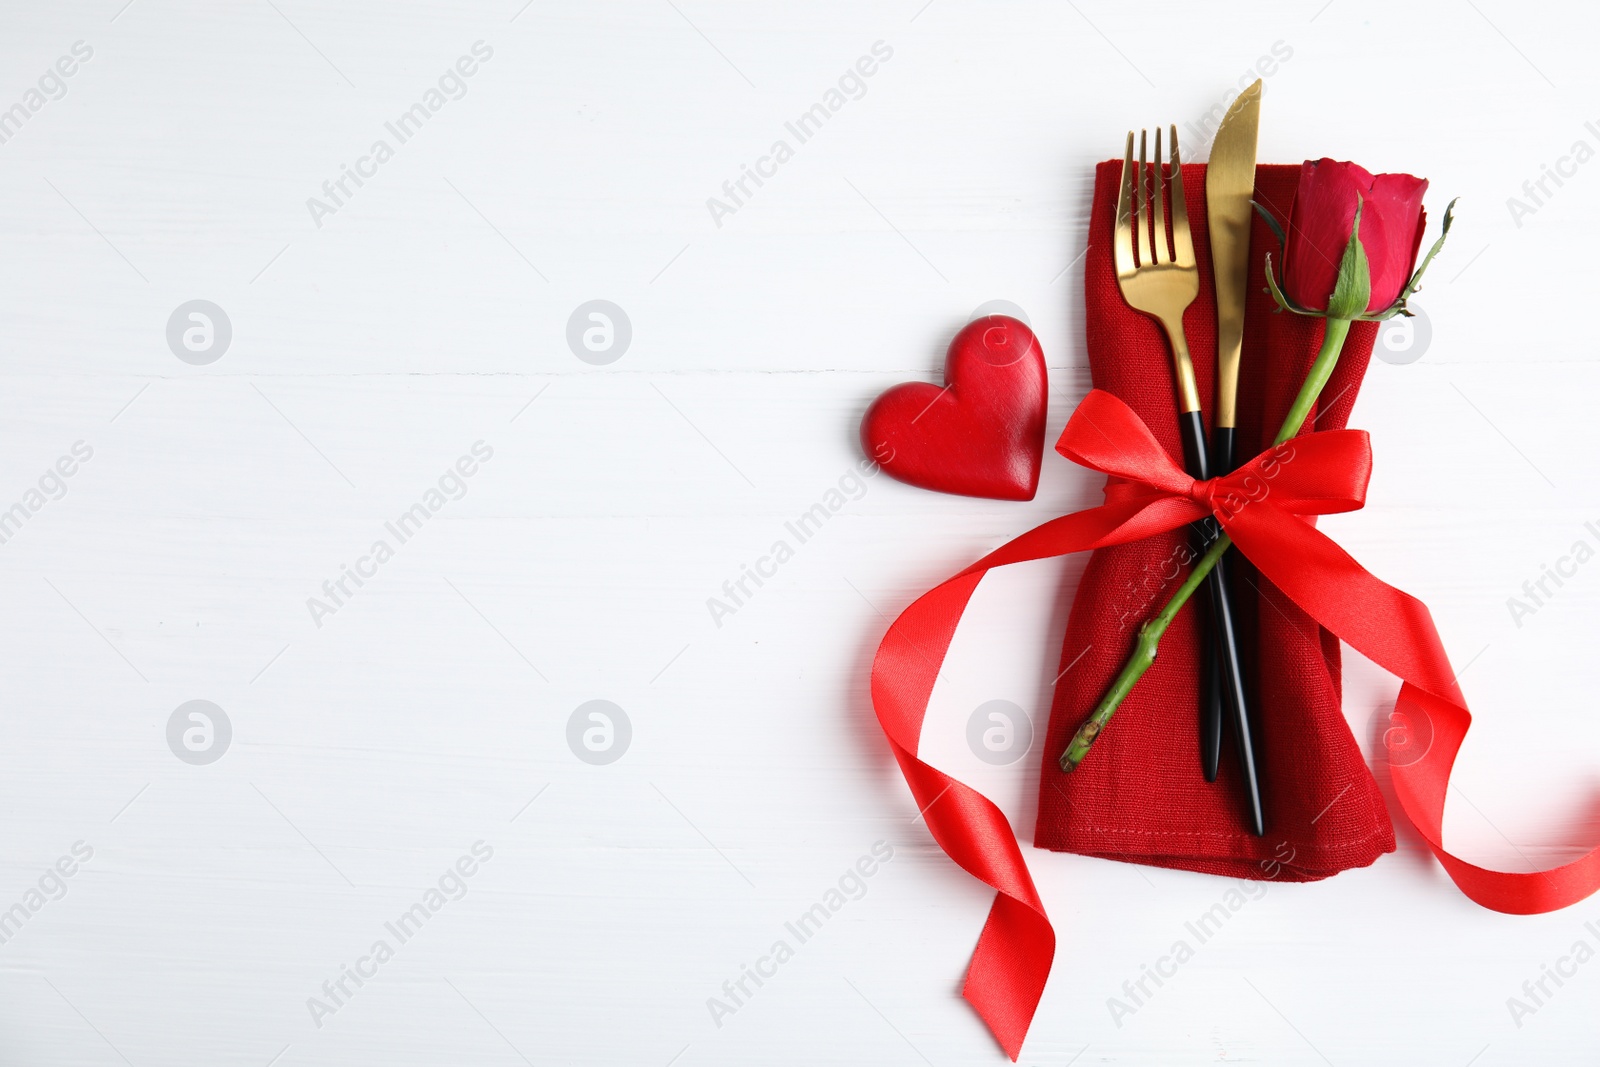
(413, 758)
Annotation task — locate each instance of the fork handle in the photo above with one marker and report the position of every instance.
(1195, 462)
(1225, 644)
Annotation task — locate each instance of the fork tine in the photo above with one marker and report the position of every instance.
(1122, 234)
(1142, 219)
(1183, 246)
(1158, 221)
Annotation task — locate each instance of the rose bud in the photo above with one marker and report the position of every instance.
(1392, 221)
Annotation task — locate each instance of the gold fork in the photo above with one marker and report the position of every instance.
(1158, 276)
(1162, 281)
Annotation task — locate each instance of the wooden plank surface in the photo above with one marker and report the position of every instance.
(389, 336)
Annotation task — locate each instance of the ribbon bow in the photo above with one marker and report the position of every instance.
(1260, 507)
(1318, 474)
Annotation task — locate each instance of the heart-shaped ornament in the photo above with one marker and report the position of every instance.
(983, 433)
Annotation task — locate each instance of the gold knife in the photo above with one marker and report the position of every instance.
(1230, 184)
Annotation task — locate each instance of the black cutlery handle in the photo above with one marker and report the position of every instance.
(1211, 713)
(1222, 462)
(1193, 432)
(1211, 732)
(1225, 642)
(1211, 722)
(1221, 451)
(1234, 698)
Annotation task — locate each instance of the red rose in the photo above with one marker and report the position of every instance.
(1392, 221)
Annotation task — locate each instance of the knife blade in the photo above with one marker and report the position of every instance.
(1230, 184)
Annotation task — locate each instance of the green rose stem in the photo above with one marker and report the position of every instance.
(1144, 653)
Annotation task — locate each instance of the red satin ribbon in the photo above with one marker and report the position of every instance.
(1259, 506)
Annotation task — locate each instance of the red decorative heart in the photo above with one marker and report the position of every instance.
(983, 433)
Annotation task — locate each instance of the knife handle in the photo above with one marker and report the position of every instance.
(1224, 644)
(1211, 720)
(1236, 700)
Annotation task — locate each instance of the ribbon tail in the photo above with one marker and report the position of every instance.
(1396, 631)
(1012, 961)
(1004, 984)
(1011, 964)
(1421, 786)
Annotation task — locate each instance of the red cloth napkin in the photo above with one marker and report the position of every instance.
(1140, 796)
